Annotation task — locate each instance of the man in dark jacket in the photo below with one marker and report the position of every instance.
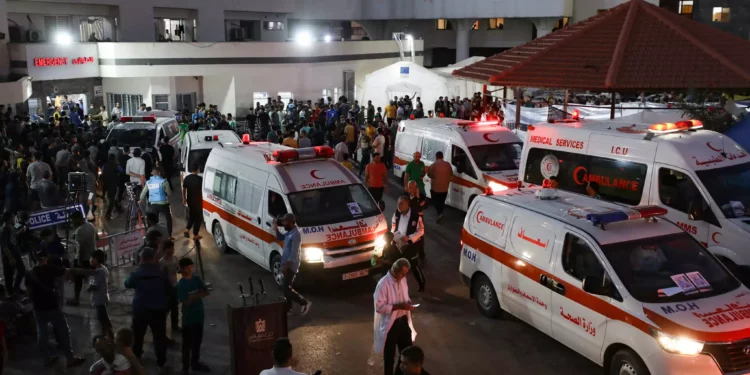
(150, 305)
(109, 180)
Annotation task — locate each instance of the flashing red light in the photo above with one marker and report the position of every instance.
(485, 123)
(411, 117)
(324, 152)
(530, 128)
(317, 152)
(216, 138)
(442, 115)
(576, 114)
(151, 118)
(246, 138)
(285, 156)
(546, 184)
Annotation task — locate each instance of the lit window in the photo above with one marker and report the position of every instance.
(475, 26)
(561, 23)
(720, 14)
(273, 25)
(686, 8)
(496, 23)
(443, 24)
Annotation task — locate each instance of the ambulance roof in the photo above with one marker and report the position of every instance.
(571, 209)
(198, 138)
(158, 113)
(143, 124)
(699, 149)
(296, 176)
(474, 133)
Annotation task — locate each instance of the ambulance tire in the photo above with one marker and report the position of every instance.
(486, 297)
(627, 362)
(219, 238)
(276, 270)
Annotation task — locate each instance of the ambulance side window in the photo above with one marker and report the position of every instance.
(678, 191)
(461, 161)
(430, 147)
(225, 186)
(579, 260)
(276, 206)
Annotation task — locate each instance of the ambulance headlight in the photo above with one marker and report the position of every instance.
(380, 245)
(677, 344)
(312, 254)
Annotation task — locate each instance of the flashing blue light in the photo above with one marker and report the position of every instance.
(614, 216)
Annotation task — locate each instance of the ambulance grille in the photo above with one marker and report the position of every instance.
(731, 357)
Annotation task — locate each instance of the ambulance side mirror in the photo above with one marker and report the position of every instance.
(596, 285)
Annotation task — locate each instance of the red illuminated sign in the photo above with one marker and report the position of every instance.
(60, 61)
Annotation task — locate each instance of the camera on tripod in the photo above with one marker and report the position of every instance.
(76, 182)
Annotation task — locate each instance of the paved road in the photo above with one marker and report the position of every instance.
(336, 336)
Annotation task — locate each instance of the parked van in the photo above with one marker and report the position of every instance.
(246, 187)
(701, 176)
(197, 145)
(635, 294)
(146, 133)
(483, 154)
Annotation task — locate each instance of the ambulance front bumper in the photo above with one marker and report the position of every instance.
(673, 364)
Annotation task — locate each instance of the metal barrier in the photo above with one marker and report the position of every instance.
(120, 247)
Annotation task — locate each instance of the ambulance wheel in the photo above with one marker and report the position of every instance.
(278, 273)
(486, 297)
(219, 239)
(625, 362)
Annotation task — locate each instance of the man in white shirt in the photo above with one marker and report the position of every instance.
(117, 111)
(393, 325)
(136, 168)
(379, 143)
(282, 359)
(408, 229)
(340, 149)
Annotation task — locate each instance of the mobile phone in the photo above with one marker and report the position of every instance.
(415, 305)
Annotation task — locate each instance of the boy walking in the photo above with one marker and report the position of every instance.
(169, 265)
(190, 291)
(99, 288)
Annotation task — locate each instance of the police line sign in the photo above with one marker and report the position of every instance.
(46, 218)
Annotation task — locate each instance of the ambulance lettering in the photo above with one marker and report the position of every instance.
(617, 150)
(586, 325)
(322, 184)
(541, 140)
(470, 255)
(529, 297)
(214, 198)
(309, 230)
(537, 242)
(569, 144)
(360, 228)
(680, 307)
(730, 313)
(581, 176)
(480, 218)
(692, 229)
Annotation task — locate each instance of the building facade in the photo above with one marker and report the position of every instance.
(732, 16)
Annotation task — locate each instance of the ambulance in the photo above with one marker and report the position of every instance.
(620, 286)
(484, 155)
(246, 187)
(146, 132)
(197, 145)
(701, 176)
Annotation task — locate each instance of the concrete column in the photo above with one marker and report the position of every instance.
(544, 25)
(136, 22)
(211, 24)
(463, 38)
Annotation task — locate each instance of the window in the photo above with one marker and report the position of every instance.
(475, 25)
(461, 161)
(496, 23)
(161, 102)
(174, 30)
(337, 204)
(443, 24)
(579, 261)
(497, 157)
(128, 103)
(407, 143)
(561, 23)
(430, 147)
(249, 197)
(273, 25)
(224, 186)
(56, 25)
(678, 191)
(686, 8)
(730, 188)
(720, 14)
(276, 205)
(619, 181)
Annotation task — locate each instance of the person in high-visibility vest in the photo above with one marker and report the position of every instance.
(158, 192)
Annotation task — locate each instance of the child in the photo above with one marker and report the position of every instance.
(98, 286)
(111, 363)
(169, 265)
(190, 291)
(346, 163)
(123, 345)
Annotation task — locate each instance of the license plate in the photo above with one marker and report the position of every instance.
(355, 274)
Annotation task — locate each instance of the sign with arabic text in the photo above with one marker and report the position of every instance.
(46, 218)
(124, 245)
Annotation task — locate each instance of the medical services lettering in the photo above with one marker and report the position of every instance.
(480, 218)
(566, 143)
(679, 307)
(730, 313)
(541, 140)
(341, 232)
(321, 184)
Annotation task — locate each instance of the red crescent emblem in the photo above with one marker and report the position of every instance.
(711, 147)
(477, 217)
(713, 237)
(548, 167)
(488, 139)
(312, 173)
(575, 175)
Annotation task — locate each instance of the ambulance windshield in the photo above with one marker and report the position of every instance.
(200, 157)
(730, 188)
(497, 157)
(669, 268)
(140, 137)
(337, 204)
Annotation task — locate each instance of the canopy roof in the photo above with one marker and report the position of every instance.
(632, 47)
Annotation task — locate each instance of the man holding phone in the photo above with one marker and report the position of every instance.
(290, 261)
(393, 323)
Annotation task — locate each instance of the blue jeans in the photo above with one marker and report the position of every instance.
(62, 332)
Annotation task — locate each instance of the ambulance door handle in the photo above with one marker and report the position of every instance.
(258, 220)
(559, 288)
(267, 223)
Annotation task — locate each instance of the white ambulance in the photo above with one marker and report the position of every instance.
(246, 187)
(701, 176)
(484, 154)
(197, 145)
(635, 294)
(146, 132)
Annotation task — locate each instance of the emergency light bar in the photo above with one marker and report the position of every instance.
(642, 212)
(246, 138)
(209, 138)
(307, 153)
(151, 118)
(675, 127)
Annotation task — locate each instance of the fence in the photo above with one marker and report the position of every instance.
(120, 247)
